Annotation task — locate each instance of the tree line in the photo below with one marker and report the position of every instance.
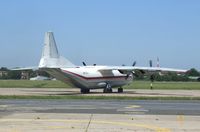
(5, 73)
(190, 75)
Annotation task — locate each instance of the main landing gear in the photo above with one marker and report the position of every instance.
(120, 90)
(85, 91)
(107, 89)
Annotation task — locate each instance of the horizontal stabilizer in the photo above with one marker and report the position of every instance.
(25, 68)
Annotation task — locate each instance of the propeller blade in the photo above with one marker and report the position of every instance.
(150, 63)
(134, 63)
(84, 63)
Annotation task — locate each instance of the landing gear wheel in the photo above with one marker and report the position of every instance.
(85, 90)
(108, 89)
(120, 90)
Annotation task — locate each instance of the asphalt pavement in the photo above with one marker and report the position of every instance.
(147, 107)
(36, 115)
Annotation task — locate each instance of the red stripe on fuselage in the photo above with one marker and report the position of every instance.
(95, 78)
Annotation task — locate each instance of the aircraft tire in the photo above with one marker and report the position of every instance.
(85, 91)
(120, 90)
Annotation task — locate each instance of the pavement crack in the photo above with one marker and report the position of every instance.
(89, 123)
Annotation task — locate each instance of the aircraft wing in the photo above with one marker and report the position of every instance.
(160, 69)
(126, 69)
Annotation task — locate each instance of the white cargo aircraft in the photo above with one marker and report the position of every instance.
(89, 77)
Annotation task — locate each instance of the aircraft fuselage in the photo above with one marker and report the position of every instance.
(89, 77)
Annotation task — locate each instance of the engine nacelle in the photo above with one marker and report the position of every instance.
(102, 84)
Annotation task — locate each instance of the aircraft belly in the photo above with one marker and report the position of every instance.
(59, 76)
(94, 84)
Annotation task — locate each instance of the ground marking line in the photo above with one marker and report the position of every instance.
(89, 122)
(133, 106)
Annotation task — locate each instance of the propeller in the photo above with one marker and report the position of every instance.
(150, 63)
(133, 73)
(134, 63)
(84, 63)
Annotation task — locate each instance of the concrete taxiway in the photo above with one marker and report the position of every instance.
(98, 115)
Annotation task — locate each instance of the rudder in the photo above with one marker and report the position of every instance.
(50, 55)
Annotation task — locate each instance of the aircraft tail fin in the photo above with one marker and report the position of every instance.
(50, 55)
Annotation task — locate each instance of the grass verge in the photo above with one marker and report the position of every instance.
(97, 97)
(32, 84)
(133, 85)
(164, 85)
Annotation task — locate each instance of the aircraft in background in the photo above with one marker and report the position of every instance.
(89, 77)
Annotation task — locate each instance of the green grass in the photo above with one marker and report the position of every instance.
(134, 85)
(31, 84)
(96, 97)
(165, 85)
